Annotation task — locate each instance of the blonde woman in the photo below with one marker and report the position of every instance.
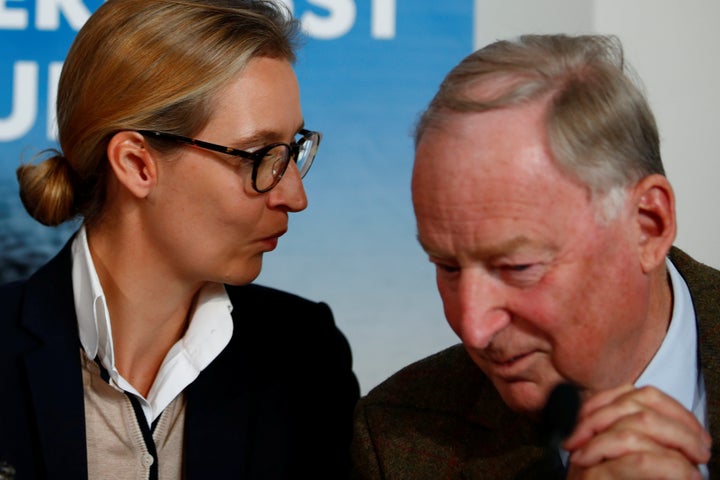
(141, 350)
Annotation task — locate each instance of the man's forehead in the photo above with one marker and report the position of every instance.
(450, 244)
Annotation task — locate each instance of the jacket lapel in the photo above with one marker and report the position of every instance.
(522, 455)
(53, 368)
(704, 286)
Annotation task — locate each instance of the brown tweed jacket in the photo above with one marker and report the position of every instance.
(441, 418)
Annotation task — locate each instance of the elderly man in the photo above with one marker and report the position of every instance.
(541, 199)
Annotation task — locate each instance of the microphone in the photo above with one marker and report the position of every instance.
(560, 413)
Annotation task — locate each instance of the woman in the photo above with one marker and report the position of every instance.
(140, 351)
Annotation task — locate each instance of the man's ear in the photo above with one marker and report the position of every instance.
(655, 202)
(133, 164)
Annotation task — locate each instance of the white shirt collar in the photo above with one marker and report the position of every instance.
(208, 333)
(674, 368)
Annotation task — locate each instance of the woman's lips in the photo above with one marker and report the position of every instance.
(271, 241)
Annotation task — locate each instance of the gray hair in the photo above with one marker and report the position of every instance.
(600, 127)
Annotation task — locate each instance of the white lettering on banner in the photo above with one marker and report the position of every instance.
(336, 20)
(24, 102)
(338, 23)
(383, 19)
(48, 14)
(51, 117)
(12, 18)
(341, 18)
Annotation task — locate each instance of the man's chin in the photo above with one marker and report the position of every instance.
(524, 397)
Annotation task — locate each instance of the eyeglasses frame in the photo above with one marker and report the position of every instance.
(256, 156)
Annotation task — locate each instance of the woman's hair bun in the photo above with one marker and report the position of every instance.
(46, 190)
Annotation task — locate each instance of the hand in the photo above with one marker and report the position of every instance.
(636, 433)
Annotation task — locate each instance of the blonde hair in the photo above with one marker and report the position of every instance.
(144, 65)
(600, 127)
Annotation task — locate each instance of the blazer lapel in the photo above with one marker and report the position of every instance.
(53, 368)
(217, 419)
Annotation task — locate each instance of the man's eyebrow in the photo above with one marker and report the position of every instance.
(488, 252)
(422, 245)
(504, 248)
(426, 248)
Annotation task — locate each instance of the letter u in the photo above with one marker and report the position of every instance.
(24, 102)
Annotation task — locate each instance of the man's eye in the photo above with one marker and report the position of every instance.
(518, 268)
(446, 268)
(522, 274)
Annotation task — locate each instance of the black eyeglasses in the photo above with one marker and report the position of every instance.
(269, 162)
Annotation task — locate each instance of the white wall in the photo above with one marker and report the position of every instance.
(675, 49)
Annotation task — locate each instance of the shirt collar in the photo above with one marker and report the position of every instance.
(208, 332)
(88, 294)
(674, 368)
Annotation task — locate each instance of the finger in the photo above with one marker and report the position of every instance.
(611, 445)
(609, 407)
(598, 412)
(667, 406)
(667, 465)
(669, 432)
(603, 398)
(640, 433)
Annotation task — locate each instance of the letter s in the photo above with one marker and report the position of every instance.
(336, 24)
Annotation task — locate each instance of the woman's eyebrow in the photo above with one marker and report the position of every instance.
(263, 136)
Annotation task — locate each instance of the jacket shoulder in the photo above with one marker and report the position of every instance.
(699, 277)
(441, 417)
(253, 294)
(260, 308)
(11, 296)
(703, 282)
(11, 300)
(447, 380)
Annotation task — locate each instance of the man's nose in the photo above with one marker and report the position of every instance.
(481, 308)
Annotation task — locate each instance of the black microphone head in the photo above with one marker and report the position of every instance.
(560, 413)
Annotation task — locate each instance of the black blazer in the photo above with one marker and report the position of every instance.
(276, 403)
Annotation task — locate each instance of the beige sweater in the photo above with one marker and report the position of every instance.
(116, 448)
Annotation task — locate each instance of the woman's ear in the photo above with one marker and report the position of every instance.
(133, 164)
(655, 202)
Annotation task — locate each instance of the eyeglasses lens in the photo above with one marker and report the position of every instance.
(272, 167)
(306, 152)
(276, 160)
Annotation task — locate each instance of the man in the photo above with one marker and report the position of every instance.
(541, 199)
